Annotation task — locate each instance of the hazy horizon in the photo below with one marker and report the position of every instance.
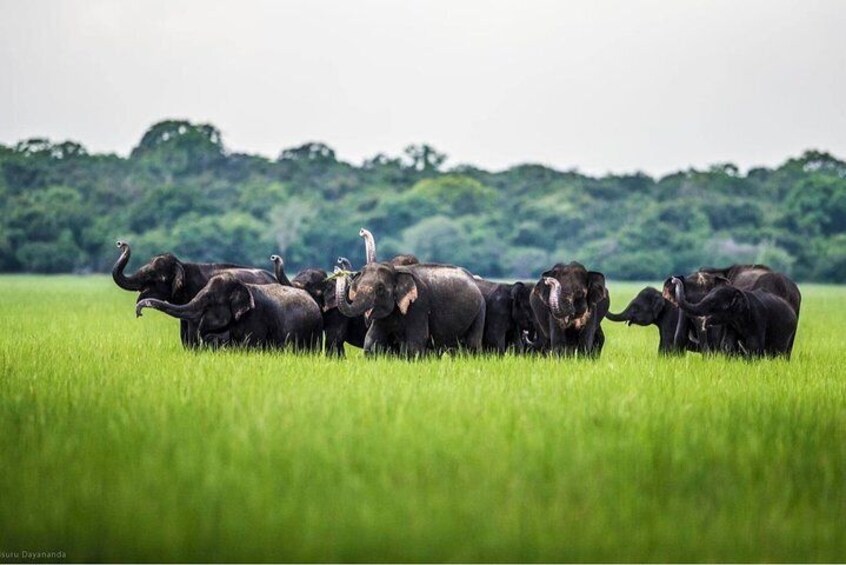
(599, 87)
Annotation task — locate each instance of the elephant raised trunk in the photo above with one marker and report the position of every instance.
(358, 306)
(344, 264)
(369, 245)
(679, 299)
(279, 270)
(697, 309)
(132, 282)
(561, 312)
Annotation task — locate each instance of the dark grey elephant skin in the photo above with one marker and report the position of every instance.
(569, 303)
(228, 311)
(744, 277)
(167, 278)
(650, 308)
(415, 309)
(507, 315)
(765, 324)
(337, 328)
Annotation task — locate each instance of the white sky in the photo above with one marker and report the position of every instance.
(601, 86)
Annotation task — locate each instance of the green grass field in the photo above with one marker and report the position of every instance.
(118, 445)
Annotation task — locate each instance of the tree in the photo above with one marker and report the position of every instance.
(424, 158)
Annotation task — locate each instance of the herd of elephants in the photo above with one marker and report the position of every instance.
(408, 308)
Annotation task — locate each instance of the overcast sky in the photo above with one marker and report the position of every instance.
(600, 86)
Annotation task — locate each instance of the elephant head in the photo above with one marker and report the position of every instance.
(221, 302)
(573, 294)
(377, 291)
(643, 310)
(163, 277)
(318, 285)
(721, 305)
(695, 287)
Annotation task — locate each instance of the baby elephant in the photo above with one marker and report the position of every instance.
(228, 311)
(649, 308)
(765, 324)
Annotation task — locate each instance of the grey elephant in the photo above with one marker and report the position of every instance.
(650, 308)
(569, 303)
(228, 311)
(764, 324)
(165, 277)
(414, 309)
(717, 338)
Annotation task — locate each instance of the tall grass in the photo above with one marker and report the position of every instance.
(119, 445)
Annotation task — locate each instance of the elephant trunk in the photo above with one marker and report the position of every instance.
(621, 317)
(279, 270)
(131, 282)
(344, 264)
(369, 245)
(694, 309)
(559, 310)
(191, 312)
(680, 323)
(350, 309)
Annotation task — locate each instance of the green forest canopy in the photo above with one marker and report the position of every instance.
(181, 190)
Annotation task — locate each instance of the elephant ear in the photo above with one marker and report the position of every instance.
(596, 287)
(658, 302)
(241, 301)
(178, 279)
(721, 281)
(405, 291)
(739, 302)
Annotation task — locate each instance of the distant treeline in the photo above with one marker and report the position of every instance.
(180, 190)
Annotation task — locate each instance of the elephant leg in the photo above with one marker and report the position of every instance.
(587, 339)
(335, 336)
(473, 339)
(754, 346)
(556, 338)
(598, 342)
(789, 350)
(416, 335)
(188, 334)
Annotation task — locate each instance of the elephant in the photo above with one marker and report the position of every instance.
(337, 328)
(745, 277)
(765, 324)
(650, 307)
(167, 278)
(569, 303)
(228, 311)
(415, 309)
(506, 317)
